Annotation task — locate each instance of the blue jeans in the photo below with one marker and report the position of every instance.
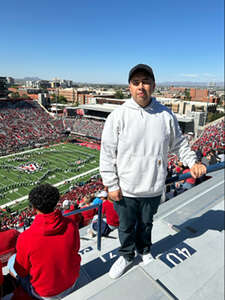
(25, 283)
(136, 221)
(187, 186)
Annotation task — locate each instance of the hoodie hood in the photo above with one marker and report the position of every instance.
(150, 108)
(49, 224)
(131, 103)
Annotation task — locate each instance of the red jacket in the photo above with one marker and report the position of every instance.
(110, 213)
(48, 252)
(8, 240)
(190, 180)
(76, 218)
(88, 215)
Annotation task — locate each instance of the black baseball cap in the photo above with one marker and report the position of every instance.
(141, 67)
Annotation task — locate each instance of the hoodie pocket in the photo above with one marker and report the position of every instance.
(148, 173)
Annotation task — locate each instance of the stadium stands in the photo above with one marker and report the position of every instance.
(86, 126)
(211, 138)
(24, 123)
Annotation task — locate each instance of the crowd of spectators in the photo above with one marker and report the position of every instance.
(212, 138)
(86, 126)
(77, 193)
(209, 148)
(24, 123)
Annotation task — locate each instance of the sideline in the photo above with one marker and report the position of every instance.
(56, 185)
(31, 150)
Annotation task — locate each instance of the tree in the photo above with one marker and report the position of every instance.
(62, 99)
(15, 95)
(59, 99)
(212, 116)
(119, 95)
(187, 95)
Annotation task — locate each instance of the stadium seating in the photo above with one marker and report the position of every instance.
(25, 123)
(211, 138)
(86, 126)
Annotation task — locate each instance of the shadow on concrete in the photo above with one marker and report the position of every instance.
(195, 227)
(211, 220)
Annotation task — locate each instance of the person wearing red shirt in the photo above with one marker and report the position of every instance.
(111, 220)
(111, 215)
(189, 182)
(47, 262)
(8, 243)
(88, 214)
(68, 208)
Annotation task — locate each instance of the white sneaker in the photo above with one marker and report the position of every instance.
(147, 258)
(119, 267)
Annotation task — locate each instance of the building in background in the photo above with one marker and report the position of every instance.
(69, 93)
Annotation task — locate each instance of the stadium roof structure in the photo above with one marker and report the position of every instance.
(188, 247)
(174, 100)
(106, 107)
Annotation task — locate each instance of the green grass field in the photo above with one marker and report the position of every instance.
(55, 165)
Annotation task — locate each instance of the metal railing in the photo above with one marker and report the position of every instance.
(99, 231)
(210, 169)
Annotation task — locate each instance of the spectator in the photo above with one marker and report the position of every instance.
(98, 199)
(88, 214)
(210, 159)
(132, 164)
(112, 218)
(68, 207)
(47, 262)
(221, 155)
(8, 243)
(189, 182)
(111, 221)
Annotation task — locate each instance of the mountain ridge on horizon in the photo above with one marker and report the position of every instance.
(166, 83)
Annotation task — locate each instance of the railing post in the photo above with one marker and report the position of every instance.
(99, 227)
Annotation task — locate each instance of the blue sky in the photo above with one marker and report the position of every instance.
(99, 41)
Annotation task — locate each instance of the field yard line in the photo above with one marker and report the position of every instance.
(57, 184)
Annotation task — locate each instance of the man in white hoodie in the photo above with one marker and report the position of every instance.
(136, 140)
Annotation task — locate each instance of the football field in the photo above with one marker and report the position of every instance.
(63, 164)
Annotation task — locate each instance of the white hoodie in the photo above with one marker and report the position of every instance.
(135, 146)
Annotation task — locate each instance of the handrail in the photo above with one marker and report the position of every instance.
(99, 232)
(210, 169)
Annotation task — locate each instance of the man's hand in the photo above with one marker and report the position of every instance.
(115, 195)
(198, 170)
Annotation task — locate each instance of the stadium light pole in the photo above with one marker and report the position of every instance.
(206, 118)
(56, 97)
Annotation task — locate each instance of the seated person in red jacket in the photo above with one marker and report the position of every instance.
(88, 214)
(68, 207)
(47, 262)
(111, 215)
(8, 240)
(110, 220)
